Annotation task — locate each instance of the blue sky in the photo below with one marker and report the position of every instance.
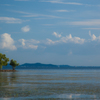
(51, 31)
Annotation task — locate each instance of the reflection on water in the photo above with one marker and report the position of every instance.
(50, 84)
(61, 96)
(71, 96)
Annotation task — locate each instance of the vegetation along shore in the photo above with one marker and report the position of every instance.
(4, 62)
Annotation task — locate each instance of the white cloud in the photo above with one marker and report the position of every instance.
(57, 35)
(33, 41)
(22, 41)
(64, 10)
(67, 39)
(49, 41)
(26, 14)
(37, 16)
(92, 28)
(10, 20)
(40, 16)
(7, 42)
(33, 46)
(61, 2)
(25, 29)
(92, 36)
(86, 23)
(29, 44)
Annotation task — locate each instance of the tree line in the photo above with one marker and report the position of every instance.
(4, 62)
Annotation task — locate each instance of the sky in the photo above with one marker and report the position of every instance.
(61, 32)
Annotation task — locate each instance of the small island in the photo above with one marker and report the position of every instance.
(4, 62)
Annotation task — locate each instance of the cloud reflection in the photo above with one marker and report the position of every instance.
(71, 96)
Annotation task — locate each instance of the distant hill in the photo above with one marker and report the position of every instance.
(42, 66)
(37, 66)
(49, 66)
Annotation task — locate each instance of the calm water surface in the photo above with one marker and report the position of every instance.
(67, 84)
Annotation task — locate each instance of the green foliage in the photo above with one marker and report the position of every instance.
(3, 60)
(14, 63)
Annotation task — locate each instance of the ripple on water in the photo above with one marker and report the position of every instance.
(60, 96)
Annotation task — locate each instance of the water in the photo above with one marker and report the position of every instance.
(50, 85)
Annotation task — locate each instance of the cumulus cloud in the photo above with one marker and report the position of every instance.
(29, 44)
(25, 28)
(92, 36)
(69, 38)
(6, 42)
(66, 39)
(22, 42)
(57, 35)
(10, 20)
(49, 41)
(33, 46)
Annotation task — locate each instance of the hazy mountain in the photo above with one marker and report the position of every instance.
(37, 66)
(42, 66)
(48, 66)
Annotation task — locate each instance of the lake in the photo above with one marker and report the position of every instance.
(68, 84)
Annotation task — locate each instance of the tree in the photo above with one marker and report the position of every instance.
(14, 63)
(3, 60)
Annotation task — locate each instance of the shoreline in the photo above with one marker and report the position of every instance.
(7, 70)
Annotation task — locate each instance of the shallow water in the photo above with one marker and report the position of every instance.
(67, 84)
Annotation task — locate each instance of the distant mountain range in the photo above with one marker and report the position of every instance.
(49, 66)
(42, 66)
